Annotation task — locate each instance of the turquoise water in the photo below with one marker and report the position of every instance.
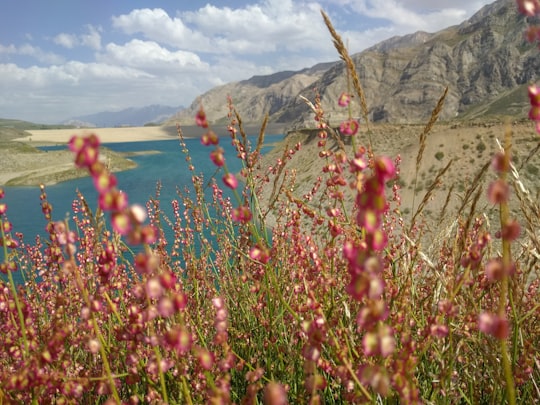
(169, 167)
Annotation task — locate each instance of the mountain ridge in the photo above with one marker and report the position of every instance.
(482, 60)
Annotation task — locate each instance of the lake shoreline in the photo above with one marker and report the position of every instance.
(22, 163)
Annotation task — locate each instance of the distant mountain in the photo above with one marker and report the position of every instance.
(136, 117)
(485, 62)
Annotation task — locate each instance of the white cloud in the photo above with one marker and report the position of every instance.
(66, 40)
(279, 25)
(150, 55)
(445, 4)
(407, 16)
(91, 40)
(55, 93)
(33, 52)
(156, 25)
(210, 29)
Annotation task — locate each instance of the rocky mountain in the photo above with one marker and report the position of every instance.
(485, 62)
(254, 97)
(129, 117)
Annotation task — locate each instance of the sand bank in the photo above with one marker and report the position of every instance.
(106, 135)
(138, 134)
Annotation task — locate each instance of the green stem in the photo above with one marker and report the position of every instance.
(504, 215)
(185, 389)
(14, 292)
(98, 333)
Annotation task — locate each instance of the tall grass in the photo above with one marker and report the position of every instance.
(332, 300)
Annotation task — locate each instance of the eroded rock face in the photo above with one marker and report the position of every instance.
(481, 61)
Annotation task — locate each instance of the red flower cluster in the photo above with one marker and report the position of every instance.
(126, 220)
(217, 155)
(528, 7)
(364, 264)
(350, 126)
(534, 112)
(5, 237)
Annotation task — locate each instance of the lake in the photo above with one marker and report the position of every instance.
(168, 166)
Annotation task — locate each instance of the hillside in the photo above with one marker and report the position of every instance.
(467, 147)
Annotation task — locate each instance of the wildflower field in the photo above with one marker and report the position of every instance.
(327, 298)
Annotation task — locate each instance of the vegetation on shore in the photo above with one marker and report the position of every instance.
(337, 302)
(22, 164)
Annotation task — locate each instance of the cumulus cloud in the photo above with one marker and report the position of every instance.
(92, 39)
(157, 25)
(222, 30)
(150, 55)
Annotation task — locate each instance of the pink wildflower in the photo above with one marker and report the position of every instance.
(275, 394)
(241, 214)
(113, 200)
(205, 357)
(494, 325)
(148, 234)
(217, 157)
(498, 192)
(200, 118)
(179, 338)
(344, 99)
(230, 180)
(349, 127)
(259, 253)
(121, 222)
(528, 7)
(104, 181)
(209, 138)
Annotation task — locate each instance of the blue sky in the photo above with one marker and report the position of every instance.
(65, 58)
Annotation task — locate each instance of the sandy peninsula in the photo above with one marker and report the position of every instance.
(23, 164)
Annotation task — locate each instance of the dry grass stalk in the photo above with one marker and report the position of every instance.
(476, 182)
(337, 137)
(446, 202)
(260, 138)
(429, 192)
(470, 217)
(342, 50)
(423, 136)
(241, 128)
(277, 191)
(529, 156)
(332, 131)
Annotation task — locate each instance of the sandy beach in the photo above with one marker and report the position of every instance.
(106, 135)
(137, 134)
